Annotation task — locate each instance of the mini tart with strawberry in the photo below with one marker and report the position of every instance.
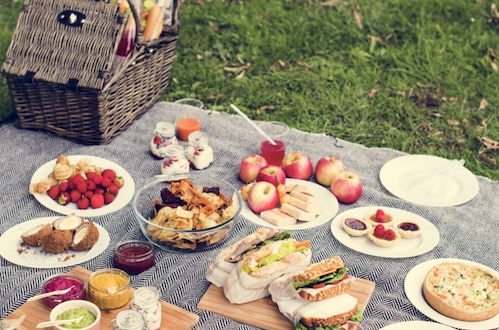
(355, 226)
(408, 228)
(384, 236)
(375, 218)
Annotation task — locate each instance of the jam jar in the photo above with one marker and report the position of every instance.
(146, 302)
(128, 320)
(134, 256)
(164, 136)
(199, 153)
(174, 161)
(62, 282)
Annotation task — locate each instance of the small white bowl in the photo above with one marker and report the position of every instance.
(91, 307)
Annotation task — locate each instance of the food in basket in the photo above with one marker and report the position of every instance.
(408, 229)
(84, 184)
(186, 207)
(154, 25)
(316, 296)
(384, 236)
(227, 260)
(378, 217)
(64, 233)
(462, 292)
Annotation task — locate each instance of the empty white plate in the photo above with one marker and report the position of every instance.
(403, 177)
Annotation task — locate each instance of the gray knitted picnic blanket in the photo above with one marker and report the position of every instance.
(468, 231)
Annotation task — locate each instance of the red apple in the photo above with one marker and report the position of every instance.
(327, 169)
(347, 187)
(250, 167)
(297, 165)
(262, 196)
(272, 174)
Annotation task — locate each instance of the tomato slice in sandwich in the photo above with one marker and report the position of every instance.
(318, 286)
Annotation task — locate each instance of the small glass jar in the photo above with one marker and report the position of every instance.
(164, 136)
(61, 282)
(134, 256)
(109, 288)
(146, 301)
(175, 161)
(199, 153)
(128, 320)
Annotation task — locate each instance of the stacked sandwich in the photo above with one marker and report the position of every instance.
(315, 298)
(246, 268)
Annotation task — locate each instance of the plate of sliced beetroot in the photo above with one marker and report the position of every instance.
(85, 185)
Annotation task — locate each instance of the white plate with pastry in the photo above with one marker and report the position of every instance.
(403, 234)
(417, 325)
(448, 280)
(124, 195)
(416, 178)
(303, 195)
(15, 249)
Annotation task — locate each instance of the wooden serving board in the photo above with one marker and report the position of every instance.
(173, 317)
(263, 313)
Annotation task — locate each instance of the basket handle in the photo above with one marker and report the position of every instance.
(138, 36)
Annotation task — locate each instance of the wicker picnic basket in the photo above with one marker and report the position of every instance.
(59, 72)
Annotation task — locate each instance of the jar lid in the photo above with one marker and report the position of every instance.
(130, 320)
(146, 296)
(165, 129)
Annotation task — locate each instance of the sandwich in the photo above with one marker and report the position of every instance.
(250, 279)
(227, 260)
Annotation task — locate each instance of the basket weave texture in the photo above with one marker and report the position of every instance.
(60, 77)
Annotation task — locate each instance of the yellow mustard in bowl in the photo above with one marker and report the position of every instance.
(109, 288)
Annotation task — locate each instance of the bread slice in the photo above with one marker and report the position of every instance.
(444, 289)
(277, 217)
(305, 206)
(336, 310)
(297, 213)
(306, 198)
(322, 268)
(326, 292)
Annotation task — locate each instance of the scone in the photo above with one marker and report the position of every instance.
(462, 292)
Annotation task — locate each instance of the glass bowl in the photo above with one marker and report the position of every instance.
(172, 239)
(61, 282)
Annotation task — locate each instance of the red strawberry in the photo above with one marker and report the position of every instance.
(82, 187)
(157, 140)
(390, 235)
(109, 174)
(71, 185)
(97, 178)
(77, 178)
(64, 198)
(105, 182)
(119, 182)
(112, 189)
(83, 203)
(379, 231)
(91, 185)
(75, 195)
(88, 193)
(54, 192)
(96, 201)
(108, 198)
(99, 191)
(63, 186)
(90, 175)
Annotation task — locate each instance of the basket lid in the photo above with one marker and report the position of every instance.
(70, 42)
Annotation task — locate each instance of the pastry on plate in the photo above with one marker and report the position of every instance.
(32, 237)
(380, 216)
(355, 226)
(384, 236)
(408, 229)
(462, 292)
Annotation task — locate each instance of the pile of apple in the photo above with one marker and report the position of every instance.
(329, 171)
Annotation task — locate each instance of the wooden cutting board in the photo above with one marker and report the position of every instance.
(173, 317)
(263, 313)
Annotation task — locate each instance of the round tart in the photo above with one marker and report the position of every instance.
(355, 226)
(408, 229)
(462, 292)
(384, 236)
(375, 218)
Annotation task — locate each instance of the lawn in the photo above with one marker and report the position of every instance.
(419, 76)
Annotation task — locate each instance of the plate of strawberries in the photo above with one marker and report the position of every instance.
(87, 186)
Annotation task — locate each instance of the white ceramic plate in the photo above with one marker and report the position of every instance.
(34, 257)
(401, 175)
(329, 202)
(124, 196)
(406, 247)
(414, 290)
(416, 325)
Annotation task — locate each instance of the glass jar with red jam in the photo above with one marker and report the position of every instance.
(134, 256)
(62, 282)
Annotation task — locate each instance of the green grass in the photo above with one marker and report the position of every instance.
(428, 58)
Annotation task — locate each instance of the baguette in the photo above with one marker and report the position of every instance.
(154, 25)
